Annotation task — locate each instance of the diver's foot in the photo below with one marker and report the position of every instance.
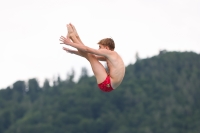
(74, 29)
(71, 32)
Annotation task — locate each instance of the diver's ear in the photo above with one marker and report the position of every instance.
(107, 48)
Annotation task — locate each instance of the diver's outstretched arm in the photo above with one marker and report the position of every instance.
(100, 58)
(72, 51)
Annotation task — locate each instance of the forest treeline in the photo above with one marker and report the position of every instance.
(160, 94)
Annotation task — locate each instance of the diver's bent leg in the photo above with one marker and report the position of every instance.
(97, 68)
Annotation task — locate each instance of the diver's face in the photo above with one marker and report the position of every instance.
(103, 47)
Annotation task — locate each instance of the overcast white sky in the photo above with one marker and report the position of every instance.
(30, 31)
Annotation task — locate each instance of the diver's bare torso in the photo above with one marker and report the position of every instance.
(116, 69)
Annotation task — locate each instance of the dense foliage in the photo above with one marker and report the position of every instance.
(160, 94)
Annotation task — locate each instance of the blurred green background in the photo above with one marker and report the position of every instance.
(160, 94)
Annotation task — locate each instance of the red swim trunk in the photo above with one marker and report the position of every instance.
(106, 85)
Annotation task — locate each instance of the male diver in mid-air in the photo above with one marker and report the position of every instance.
(106, 80)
